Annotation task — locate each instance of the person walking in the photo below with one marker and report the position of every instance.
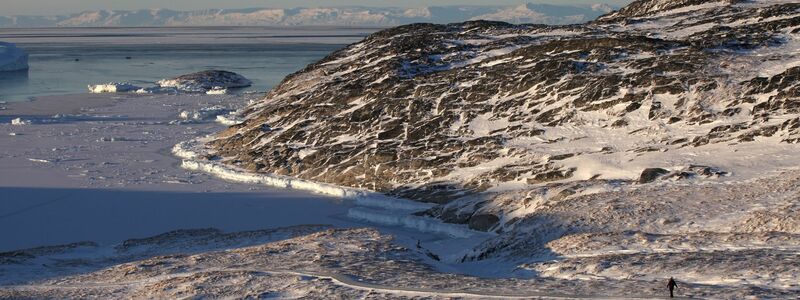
(671, 285)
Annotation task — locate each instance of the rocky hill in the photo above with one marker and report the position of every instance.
(438, 112)
(666, 122)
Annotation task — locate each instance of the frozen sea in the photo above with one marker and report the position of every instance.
(66, 60)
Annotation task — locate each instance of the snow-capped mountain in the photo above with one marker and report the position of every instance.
(331, 16)
(546, 14)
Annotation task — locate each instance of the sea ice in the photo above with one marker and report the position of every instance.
(203, 113)
(20, 121)
(230, 119)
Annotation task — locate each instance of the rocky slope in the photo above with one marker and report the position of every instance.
(440, 112)
(666, 122)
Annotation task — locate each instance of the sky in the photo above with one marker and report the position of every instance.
(53, 7)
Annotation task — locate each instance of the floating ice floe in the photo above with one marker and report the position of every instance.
(213, 82)
(20, 121)
(217, 91)
(230, 119)
(157, 90)
(12, 58)
(204, 113)
(113, 87)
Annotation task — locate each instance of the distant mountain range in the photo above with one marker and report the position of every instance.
(330, 16)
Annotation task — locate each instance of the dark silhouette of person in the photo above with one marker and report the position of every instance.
(671, 285)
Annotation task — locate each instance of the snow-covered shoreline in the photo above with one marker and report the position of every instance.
(191, 151)
(371, 206)
(122, 142)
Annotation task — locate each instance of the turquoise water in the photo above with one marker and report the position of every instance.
(66, 64)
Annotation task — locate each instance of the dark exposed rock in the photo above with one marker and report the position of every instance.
(483, 222)
(206, 80)
(651, 174)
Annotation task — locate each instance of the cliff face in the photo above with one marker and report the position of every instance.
(500, 123)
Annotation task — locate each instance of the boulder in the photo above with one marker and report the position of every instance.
(483, 222)
(651, 174)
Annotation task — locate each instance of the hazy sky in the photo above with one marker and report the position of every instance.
(51, 7)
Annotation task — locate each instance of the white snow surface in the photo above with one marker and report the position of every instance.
(12, 58)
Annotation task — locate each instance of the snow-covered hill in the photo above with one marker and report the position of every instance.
(669, 119)
(328, 16)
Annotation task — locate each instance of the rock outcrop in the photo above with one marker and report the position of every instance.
(205, 81)
(214, 82)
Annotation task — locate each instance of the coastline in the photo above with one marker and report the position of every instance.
(109, 150)
(96, 164)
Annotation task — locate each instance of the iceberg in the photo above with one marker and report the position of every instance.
(12, 58)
